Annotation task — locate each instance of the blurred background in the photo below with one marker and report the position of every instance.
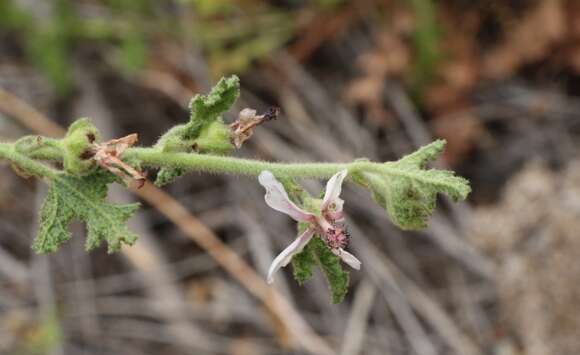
(499, 79)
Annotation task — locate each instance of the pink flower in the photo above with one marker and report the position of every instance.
(329, 223)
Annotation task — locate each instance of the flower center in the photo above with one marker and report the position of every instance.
(336, 238)
(335, 235)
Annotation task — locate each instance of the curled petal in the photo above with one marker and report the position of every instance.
(286, 255)
(348, 258)
(277, 198)
(332, 192)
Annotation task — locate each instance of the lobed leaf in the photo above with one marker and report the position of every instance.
(206, 109)
(408, 191)
(83, 198)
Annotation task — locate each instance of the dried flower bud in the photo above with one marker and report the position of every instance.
(107, 156)
(243, 128)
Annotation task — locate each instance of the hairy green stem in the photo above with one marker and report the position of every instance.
(26, 164)
(152, 157)
(230, 165)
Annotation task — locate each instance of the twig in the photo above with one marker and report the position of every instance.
(11, 268)
(324, 27)
(357, 324)
(386, 271)
(28, 116)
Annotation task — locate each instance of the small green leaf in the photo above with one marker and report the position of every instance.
(83, 198)
(316, 252)
(330, 264)
(207, 109)
(168, 175)
(204, 131)
(302, 265)
(408, 191)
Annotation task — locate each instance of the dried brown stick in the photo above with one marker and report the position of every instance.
(28, 116)
(325, 27)
(12, 269)
(358, 321)
(384, 271)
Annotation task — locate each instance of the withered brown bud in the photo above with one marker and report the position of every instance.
(107, 156)
(242, 129)
(272, 113)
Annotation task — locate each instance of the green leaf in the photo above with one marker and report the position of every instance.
(207, 109)
(168, 175)
(302, 265)
(317, 253)
(204, 131)
(408, 191)
(331, 266)
(83, 198)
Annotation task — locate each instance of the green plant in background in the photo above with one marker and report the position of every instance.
(44, 338)
(47, 40)
(124, 31)
(426, 39)
(405, 189)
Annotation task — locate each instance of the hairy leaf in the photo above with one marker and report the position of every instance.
(408, 191)
(302, 265)
(317, 253)
(83, 198)
(204, 130)
(207, 109)
(168, 175)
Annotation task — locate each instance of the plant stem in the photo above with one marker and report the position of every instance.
(236, 166)
(26, 164)
(214, 164)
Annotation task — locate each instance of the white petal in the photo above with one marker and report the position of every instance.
(350, 259)
(277, 198)
(332, 192)
(286, 255)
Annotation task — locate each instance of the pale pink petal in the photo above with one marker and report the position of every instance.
(336, 217)
(350, 259)
(277, 198)
(332, 192)
(286, 255)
